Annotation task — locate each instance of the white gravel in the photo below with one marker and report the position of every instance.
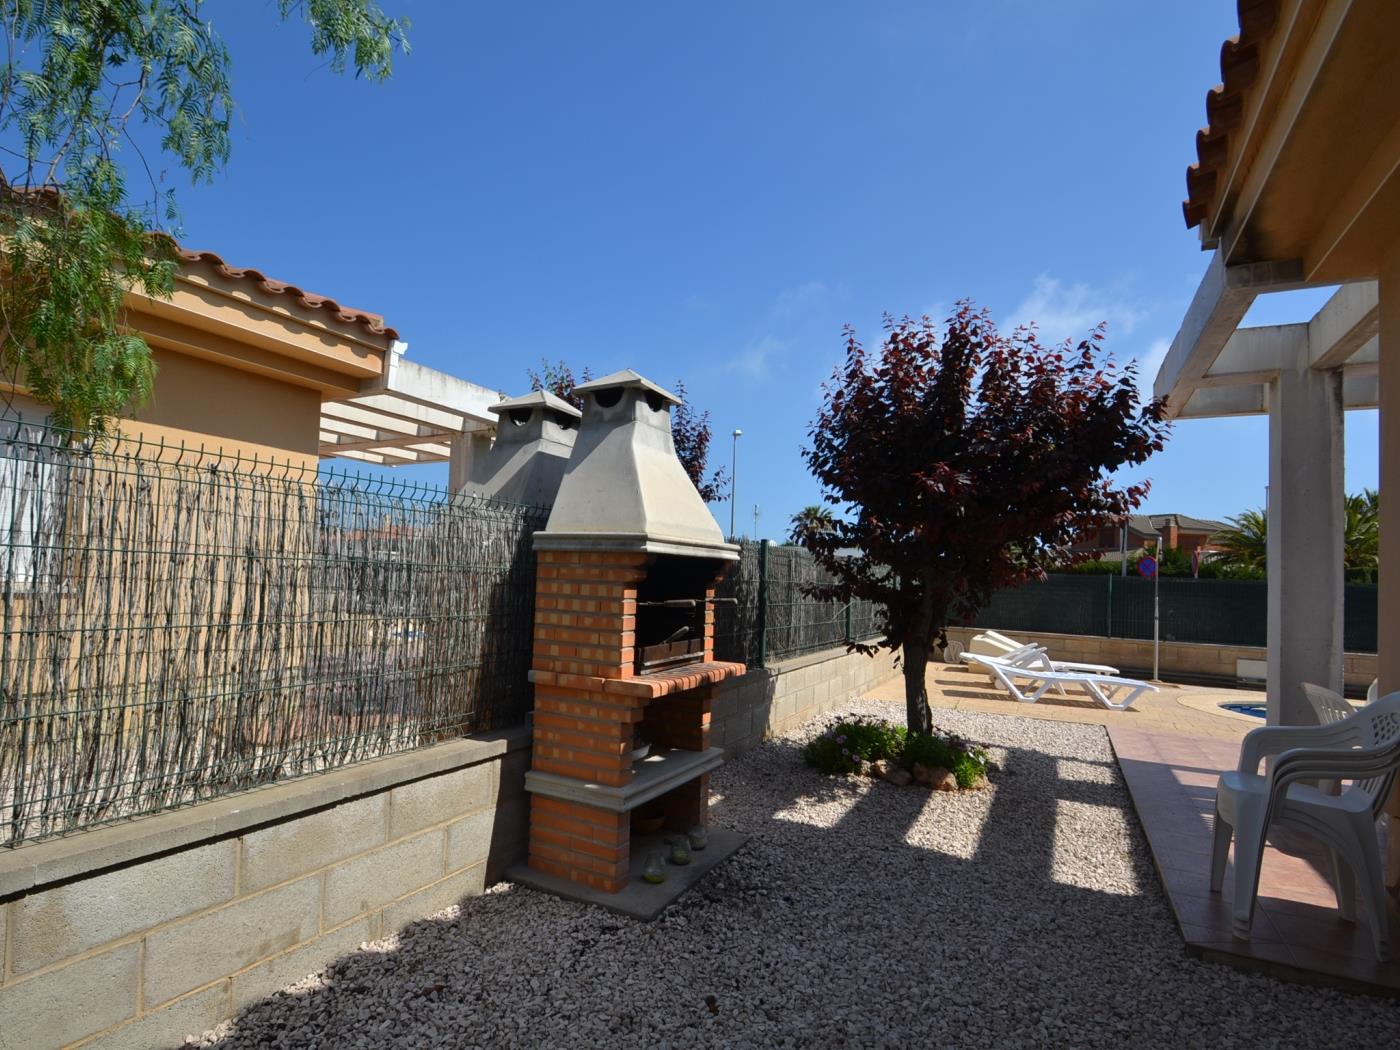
(859, 914)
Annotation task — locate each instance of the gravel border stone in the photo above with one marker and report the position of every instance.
(859, 914)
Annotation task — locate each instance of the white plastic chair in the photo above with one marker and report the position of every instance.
(1328, 705)
(1362, 749)
(1105, 688)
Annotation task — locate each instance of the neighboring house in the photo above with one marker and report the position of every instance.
(255, 367)
(1176, 530)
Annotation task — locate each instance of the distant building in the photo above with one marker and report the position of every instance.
(1177, 531)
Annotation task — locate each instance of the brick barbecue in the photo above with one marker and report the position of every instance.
(624, 642)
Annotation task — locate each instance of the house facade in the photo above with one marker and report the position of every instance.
(1177, 532)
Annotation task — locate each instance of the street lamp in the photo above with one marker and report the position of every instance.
(734, 479)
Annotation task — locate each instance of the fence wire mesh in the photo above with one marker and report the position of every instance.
(178, 626)
(774, 618)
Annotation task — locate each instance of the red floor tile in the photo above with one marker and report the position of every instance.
(1297, 931)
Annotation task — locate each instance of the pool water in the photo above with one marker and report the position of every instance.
(1253, 710)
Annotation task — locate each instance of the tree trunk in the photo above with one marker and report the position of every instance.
(915, 660)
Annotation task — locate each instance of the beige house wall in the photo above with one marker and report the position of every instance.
(202, 403)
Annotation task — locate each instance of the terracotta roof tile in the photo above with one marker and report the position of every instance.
(372, 323)
(1225, 103)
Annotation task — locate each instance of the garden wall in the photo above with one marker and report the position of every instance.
(1188, 660)
(770, 700)
(141, 932)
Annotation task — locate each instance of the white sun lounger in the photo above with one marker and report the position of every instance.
(1035, 656)
(1106, 689)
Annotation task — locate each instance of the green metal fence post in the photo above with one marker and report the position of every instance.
(763, 603)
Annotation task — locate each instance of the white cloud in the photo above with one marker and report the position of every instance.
(784, 318)
(793, 302)
(1069, 311)
(1150, 361)
(753, 361)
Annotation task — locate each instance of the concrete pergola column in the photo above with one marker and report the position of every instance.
(1388, 627)
(1305, 537)
(468, 450)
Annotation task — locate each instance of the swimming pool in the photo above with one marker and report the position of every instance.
(1253, 710)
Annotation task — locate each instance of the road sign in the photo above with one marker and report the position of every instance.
(1147, 566)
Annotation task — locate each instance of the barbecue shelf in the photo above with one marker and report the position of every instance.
(652, 777)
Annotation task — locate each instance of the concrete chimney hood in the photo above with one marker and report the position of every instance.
(624, 488)
(534, 437)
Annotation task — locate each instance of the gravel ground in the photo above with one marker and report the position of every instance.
(859, 914)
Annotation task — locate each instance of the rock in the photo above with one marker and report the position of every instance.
(899, 776)
(922, 774)
(879, 769)
(941, 779)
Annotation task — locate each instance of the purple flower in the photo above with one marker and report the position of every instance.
(841, 739)
(845, 751)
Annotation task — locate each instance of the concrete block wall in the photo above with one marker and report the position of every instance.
(767, 701)
(136, 935)
(1177, 658)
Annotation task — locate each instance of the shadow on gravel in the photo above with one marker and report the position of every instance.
(859, 914)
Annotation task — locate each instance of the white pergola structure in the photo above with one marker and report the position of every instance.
(411, 414)
(1297, 185)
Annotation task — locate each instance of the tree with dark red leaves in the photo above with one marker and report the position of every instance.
(963, 461)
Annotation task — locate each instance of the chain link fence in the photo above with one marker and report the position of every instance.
(175, 626)
(773, 618)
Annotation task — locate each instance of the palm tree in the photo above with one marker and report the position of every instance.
(810, 521)
(1363, 533)
(1244, 545)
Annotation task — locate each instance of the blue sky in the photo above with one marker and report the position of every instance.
(709, 192)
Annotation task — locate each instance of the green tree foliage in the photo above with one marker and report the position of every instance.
(812, 518)
(1245, 543)
(83, 85)
(690, 430)
(971, 461)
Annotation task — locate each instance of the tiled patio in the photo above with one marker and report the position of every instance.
(1297, 931)
(1171, 747)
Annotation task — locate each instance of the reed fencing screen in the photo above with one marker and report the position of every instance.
(177, 626)
(773, 618)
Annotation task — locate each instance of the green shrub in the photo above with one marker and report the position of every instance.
(967, 761)
(850, 740)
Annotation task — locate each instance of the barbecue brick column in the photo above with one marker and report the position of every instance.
(585, 617)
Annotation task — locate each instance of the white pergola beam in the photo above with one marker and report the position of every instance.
(408, 411)
(410, 414)
(1223, 297)
(428, 388)
(1215, 402)
(363, 457)
(334, 411)
(1348, 321)
(1255, 355)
